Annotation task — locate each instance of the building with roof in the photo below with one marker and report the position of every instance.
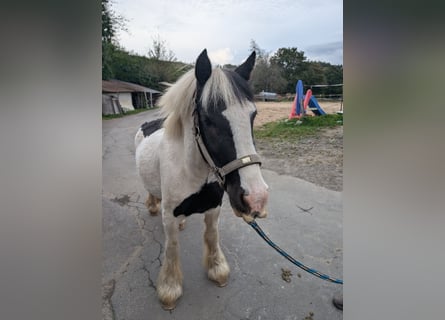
(120, 96)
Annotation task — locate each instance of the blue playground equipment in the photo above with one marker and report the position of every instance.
(300, 104)
(315, 107)
(300, 98)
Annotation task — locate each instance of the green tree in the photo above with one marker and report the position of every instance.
(146, 71)
(265, 76)
(293, 65)
(108, 50)
(333, 74)
(260, 53)
(160, 66)
(111, 23)
(108, 28)
(313, 73)
(159, 50)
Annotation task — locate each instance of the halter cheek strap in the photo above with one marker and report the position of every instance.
(220, 173)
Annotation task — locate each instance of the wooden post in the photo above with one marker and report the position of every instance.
(145, 96)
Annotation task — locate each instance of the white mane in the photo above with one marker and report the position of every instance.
(178, 102)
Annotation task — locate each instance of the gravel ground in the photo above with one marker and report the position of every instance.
(317, 158)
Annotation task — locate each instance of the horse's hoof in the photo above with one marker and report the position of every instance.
(218, 270)
(153, 213)
(169, 304)
(221, 281)
(168, 307)
(222, 284)
(168, 296)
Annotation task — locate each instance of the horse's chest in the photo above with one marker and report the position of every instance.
(208, 197)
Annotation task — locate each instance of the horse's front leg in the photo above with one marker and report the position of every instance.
(214, 260)
(169, 285)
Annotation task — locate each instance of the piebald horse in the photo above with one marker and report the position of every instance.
(202, 147)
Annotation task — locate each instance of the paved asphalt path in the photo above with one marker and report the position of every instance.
(133, 243)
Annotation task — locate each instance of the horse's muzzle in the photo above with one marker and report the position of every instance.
(251, 202)
(256, 202)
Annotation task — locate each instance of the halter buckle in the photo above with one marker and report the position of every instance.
(246, 160)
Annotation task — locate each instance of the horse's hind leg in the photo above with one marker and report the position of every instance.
(214, 260)
(153, 204)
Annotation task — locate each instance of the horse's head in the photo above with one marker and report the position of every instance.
(226, 111)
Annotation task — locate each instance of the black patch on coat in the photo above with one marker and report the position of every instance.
(218, 139)
(209, 197)
(149, 127)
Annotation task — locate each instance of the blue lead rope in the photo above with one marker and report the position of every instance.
(320, 275)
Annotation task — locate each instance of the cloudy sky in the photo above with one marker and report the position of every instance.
(226, 27)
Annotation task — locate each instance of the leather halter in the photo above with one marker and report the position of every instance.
(221, 172)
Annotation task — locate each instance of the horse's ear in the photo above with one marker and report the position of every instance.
(246, 68)
(203, 68)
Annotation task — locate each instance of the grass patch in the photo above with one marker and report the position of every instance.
(127, 113)
(291, 129)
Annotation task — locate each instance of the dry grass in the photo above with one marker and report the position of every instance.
(272, 111)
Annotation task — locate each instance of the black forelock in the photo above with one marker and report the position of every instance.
(241, 87)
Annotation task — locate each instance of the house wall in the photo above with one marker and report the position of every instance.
(110, 104)
(125, 101)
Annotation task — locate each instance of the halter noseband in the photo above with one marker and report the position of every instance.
(220, 173)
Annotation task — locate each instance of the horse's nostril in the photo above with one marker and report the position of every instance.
(244, 202)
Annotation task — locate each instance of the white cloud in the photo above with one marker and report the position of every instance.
(221, 56)
(225, 27)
